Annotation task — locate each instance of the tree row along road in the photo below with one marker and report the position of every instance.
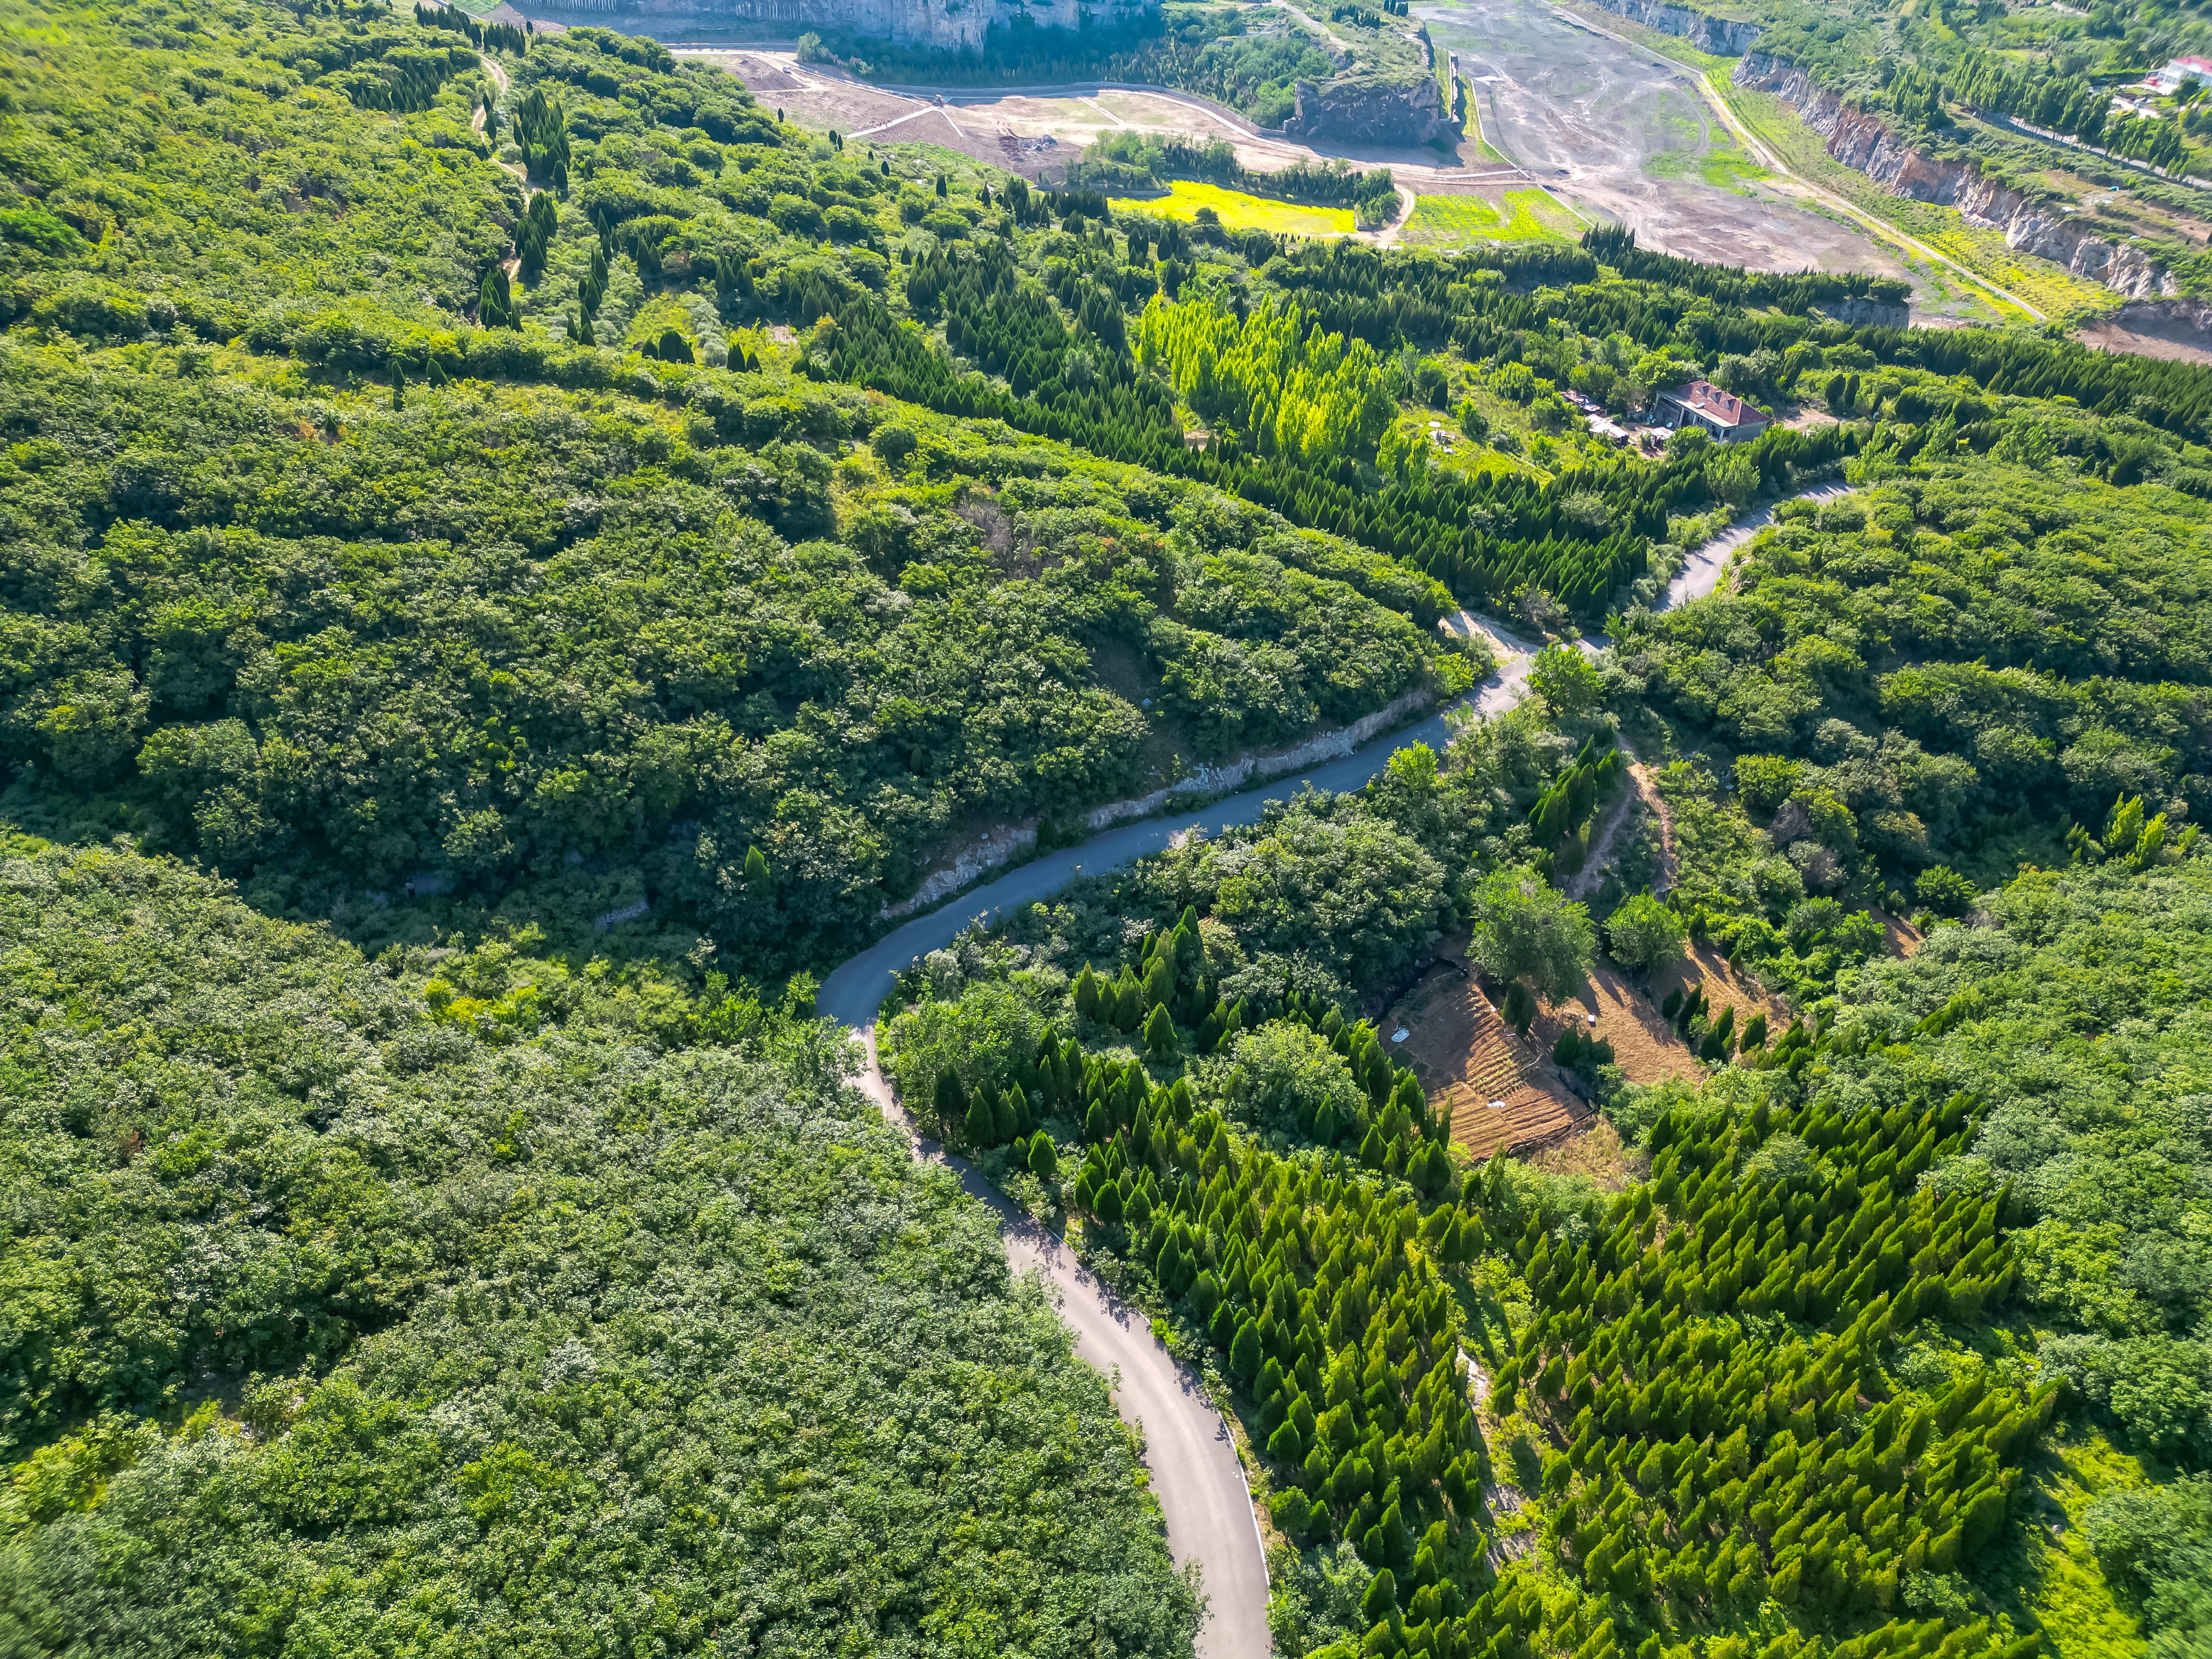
(1195, 1469)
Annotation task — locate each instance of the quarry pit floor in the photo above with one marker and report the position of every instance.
(1037, 130)
(1603, 126)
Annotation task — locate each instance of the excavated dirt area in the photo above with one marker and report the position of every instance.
(1502, 1092)
(1614, 131)
(1037, 131)
(2180, 342)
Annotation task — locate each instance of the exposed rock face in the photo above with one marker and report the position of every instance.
(1868, 314)
(1721, 36)
(943, 25)
(2181, 318)
(1862, 143)
(1367, 110)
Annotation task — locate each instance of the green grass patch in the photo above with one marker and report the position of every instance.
(2048, 1577)
(1483, 147)
(1240, 212)
(1520, 215)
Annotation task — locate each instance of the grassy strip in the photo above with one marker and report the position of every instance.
(1520, 215)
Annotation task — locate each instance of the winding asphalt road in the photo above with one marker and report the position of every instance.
(1194, 1469)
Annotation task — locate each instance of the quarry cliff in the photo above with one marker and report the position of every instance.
(1862, 143)
(937, 25)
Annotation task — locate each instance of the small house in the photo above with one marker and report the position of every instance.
(1725, 415)
(2168, 80)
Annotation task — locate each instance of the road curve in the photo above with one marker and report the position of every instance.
(1194, 1469)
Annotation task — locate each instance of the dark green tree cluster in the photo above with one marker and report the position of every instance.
(533, 235)
(1168, 987)
(496, 306)
(1708, 1469)
(541, 131)
(986, 1115)
(498, 37)
(1320, 1290)
(1560, 817)
(1394, 1130)
(2031, 90)
(402, 79)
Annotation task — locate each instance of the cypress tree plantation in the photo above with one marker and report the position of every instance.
(517, 563)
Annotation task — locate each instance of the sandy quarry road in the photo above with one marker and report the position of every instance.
(1600, 121)
(1194, 1464)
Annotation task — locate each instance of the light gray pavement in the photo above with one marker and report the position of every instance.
(1194, 1464)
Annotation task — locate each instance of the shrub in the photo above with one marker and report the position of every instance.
(1645, 934)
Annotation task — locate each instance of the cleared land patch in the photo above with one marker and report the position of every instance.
(1238, 211)
(1518, 216)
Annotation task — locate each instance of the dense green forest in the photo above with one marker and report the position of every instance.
(514, 560)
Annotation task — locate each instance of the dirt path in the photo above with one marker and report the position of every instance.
(1766, 158)
(491, 67)
(1648, 791)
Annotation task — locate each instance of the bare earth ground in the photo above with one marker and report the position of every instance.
(1037, 131)
(1644, 1046)
(1622, 134)
(1904, 938)
(1501, 1092)
(2148, 337)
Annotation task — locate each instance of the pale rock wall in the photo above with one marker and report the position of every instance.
(1722, 37)
(1001, 844)
(941, 25)
(1862, 143)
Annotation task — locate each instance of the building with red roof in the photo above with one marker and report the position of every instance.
(1727, 417)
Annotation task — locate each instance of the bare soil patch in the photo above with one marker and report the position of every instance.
(1724, 987)
(1598, 1153)
(2175, 345)
(1644, 1046)
(1501, 1092)
(1904, 938)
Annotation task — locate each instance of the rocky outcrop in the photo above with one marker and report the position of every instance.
(1862, 143)
(2184, 319)
(1724, 37)
(1862, 313)
(1355, 109)
(941, 25)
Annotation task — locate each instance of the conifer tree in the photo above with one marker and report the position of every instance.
(1160, 1034)
(950, 1101)
(980, 1121)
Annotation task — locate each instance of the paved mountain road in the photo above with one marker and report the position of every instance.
(1194, 1464)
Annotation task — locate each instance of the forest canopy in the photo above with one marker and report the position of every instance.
(513, 560)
